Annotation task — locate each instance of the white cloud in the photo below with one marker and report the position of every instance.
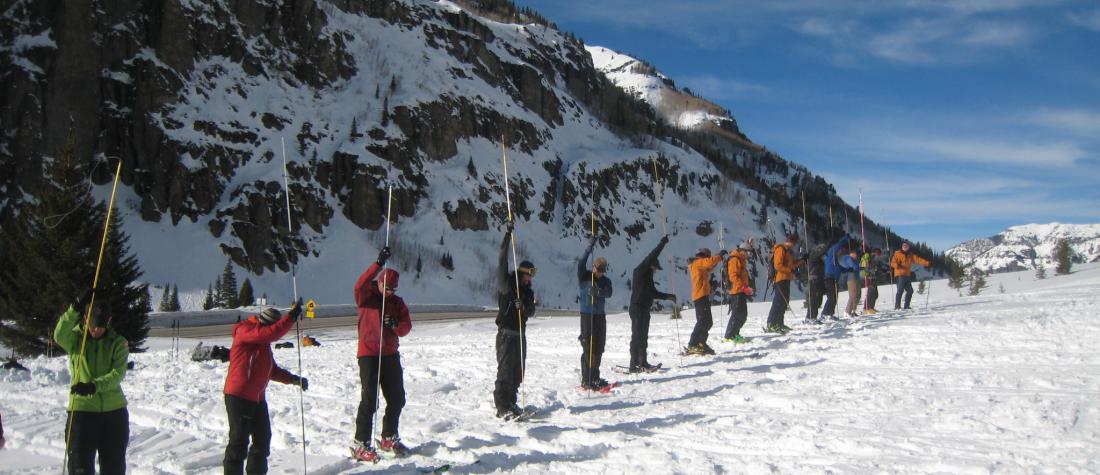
(1076, 121)
(715, 88)
(1089, 20)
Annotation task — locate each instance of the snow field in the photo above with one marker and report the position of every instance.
(1002, 383)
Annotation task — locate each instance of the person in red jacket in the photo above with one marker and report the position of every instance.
(251, 366)
(374, 293)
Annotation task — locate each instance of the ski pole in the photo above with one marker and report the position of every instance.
(591, 316)
(382, 316)
(297, 326)
(664, 219)
(863, 238)
(806, 236)
(515, 273)
(88, 314)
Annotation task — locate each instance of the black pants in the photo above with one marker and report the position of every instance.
(703, 322)
(872, 295)
(393, 389)
(247, 420)
(905, 285)
(593, 337)
(639, 335)
(106, 433)
(779, 303)
(510, 361)
(814, 291)
(831, 290)
(739, 312)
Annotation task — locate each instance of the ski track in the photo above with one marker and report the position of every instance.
(1001, 383)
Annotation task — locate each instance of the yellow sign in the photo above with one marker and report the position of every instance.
(310, 305)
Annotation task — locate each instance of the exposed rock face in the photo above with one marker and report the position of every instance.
(1029, 246)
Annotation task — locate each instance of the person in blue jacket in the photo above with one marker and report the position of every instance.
(595, 288)
(832, 276)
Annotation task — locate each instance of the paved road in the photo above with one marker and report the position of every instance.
(213, 331)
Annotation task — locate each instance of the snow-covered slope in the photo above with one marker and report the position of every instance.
(1000, 382)
(1029, 246)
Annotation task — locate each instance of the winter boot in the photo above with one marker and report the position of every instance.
(650, 368)
(812, 321)
(707, 350)
(695, 350)
(870, 311)
(363, 452)
(784, 328)
(509, 413)
(393, 444)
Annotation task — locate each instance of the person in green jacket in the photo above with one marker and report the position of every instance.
(98, 421)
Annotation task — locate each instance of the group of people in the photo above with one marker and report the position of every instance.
(99, 421)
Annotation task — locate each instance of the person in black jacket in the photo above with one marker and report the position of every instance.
(594, 289)
(643, 293)
(511, 344)
(815, 282)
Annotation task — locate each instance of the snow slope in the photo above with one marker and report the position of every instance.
(1028, 246)
(1000, 382)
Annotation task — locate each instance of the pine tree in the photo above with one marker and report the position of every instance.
(386, 111)
(174, 300)
(977, 282)
(50, 246)
(164, 298)
(1063, 255)
(354, 129)
(228, 291)
(470, 169)
(1040, 272)
(218, 297)
(447, 262)
(956, 274)
(208, 300)
(245, 297)
(418, 266)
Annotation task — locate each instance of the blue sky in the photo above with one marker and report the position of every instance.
(956, 119)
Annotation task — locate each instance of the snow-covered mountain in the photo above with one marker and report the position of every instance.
(202, 100)
(1028, 246)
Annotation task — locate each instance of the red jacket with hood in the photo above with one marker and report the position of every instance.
(251, 364)
(369, 301)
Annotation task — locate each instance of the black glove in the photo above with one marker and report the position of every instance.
(510, 227)
(296, 310)
(804, 257)
(664, 239)
(517, 304)
(303, 382)
(389, 322)
(82, 301)
(723, 253)
(83, 389)
(591, 243)
(383, 255)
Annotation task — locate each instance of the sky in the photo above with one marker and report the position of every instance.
(955, 119)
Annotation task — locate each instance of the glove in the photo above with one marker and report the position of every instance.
(517, 304)
(723, 253)
(664, 239)
(747, 291)
(300, 381)
(83, 389)
(510, 227)
(591, 243)
(82, 301)
(804, 257)
(383, 255)
(672, 298)
(389, 322)
(296, 310)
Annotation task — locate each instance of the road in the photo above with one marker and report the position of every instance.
(214, 331)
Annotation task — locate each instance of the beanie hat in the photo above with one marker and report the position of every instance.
(527, 267)
(269, 315)
(390, 277)
(703, 252)
(97, 319)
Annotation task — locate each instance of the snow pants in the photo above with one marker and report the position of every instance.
(872, 295)
(814, 290)
(905, 285)
(593, 338)
(639, 335)
(739, 312)
(779, 303)
(831, 290)
(703, 322)
(247, 420)
(105, 433)
(510, 362)
(393, 389)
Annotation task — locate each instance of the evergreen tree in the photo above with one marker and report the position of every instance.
(245, 297)
(977, 282)
(470, 169)
(48, 254)
(208, 301)
(1001, 288)
(1063, 255)
(956, 274)
(218, 297)
(354, 129)
(447, 262)
(1040, 272)
(174, 300)
(418, 266)
(228, 291)
(164, 300)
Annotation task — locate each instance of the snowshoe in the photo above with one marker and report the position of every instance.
(394, 445)
(777, 329)
(812, 321)
(599, 386)
(509, 413)
(870, 311)
(364, 453)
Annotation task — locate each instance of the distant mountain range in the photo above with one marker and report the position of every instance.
(1028, 246)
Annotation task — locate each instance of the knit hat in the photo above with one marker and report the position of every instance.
(390, 277)
(703, 252)
(527, 267)
(269, 315)
(98, 318)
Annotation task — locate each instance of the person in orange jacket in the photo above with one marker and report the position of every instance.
(738, 271)
(700, 270)
(902, 263)
(784, 264)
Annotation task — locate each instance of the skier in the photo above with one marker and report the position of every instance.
(815, 282)
(849, 263)
(98, 420)
(740, 291)
(595, 288)
(511, 329)
(642, 294)
(374, 293)
(700, 270)
(832, 277)
(251, 367)
(784, 265)
(902, 263)
(869, 264)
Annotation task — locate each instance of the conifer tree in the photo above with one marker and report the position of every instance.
(956, 274)
(208, 301)
(48, 254)
(174, 300)
(1040, 272)
(164, 300)
(977, 282)
(1063, 255)
(245, 297)
(217, 297)
(228, 291)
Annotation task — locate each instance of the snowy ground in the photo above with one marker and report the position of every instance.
(1003, 383)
